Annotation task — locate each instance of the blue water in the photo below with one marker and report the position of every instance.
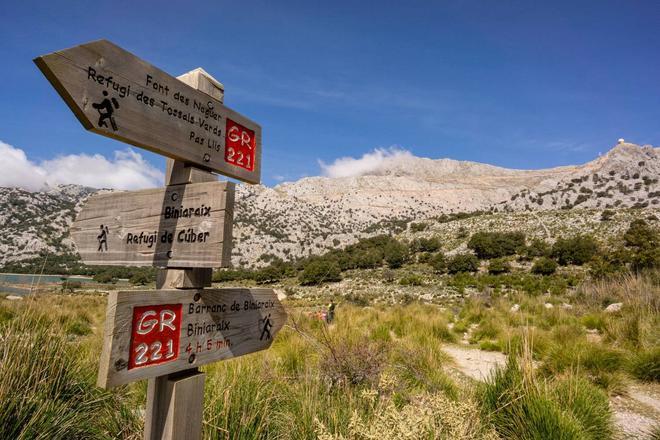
(20, 278)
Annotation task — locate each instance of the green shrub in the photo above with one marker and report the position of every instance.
(320, 271)
(141, 278)
(222, 275)
(576, 250)
(537, 248)
(463, 263)
(438, 263)
(606, 215)
(426, 244)
(489, 245)
(645, 365)
(640, 235)
(645, 258)
(418, 227)
(544, 266)
(269, 274)
(411, 280)
(395, 254)
(498, 266)
(609, 265)
(643, 244)
(343, 257)
(462, 233)
(368, 258)
(104, 277)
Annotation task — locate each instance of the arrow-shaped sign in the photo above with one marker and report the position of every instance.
(177, 226)
(153, 333)
(116, 94)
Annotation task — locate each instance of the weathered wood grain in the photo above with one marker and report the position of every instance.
(152, 110)
(175, 402)
(242, 330)
(193, 278)
(126, 215)
(175, 406)
(201, 80)
(177, 173)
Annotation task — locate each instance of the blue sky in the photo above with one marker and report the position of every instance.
(519, 84)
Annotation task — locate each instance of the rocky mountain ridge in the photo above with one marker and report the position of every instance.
(317, 213)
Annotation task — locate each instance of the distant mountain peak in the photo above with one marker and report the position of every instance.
(317, 213)
(629, 150)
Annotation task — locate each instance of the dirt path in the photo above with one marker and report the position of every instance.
(638, 412)
(634, 414)
(474, 363)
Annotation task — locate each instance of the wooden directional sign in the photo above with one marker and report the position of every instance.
(116, 94)
(153, 333)
(178, 226)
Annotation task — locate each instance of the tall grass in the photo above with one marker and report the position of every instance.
(645, 365)
(332, 379)
(47, 390)
(638, 291)
(238, 402)
(607, 348)
(523, 406)
(376, 372)
(636, 328)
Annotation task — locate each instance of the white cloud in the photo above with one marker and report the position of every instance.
(127, 170)
(369, 163)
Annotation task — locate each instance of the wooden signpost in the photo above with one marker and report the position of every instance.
(185, 228)
(185, 225)
(151, 334)
(116, 94)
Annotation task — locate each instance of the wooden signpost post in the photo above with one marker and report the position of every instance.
(185, 228)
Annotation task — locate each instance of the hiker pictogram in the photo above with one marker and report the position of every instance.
(266, 329)
(103, 239)
(106, 108)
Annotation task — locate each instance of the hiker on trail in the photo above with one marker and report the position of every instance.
(330, 316)
(108, 108)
